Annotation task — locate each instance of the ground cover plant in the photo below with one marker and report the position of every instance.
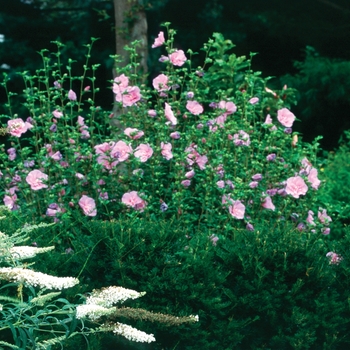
(206, 151)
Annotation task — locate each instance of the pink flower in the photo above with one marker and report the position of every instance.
(323, 217)
(296, 186)
(169, 114)
(35, 180)
(10, 200)
(310, 218)
(80, 121)
(220, 184)
(130, 96)
(159, 41)
(229, 107)
(133, 133)
(334, 258)
(17, 127)
(120, 83)
(160, 83)
(254, 184)
(88, 205)
(175, 135)
(254, 100)
(72, 95)
(57, 114)
(237, 209)
(132, 199)
(143, 152)
(178, 58)
(312, 178)
(194, 107)
(285, 117)
(152, 113)
(124, 93)
(201, 161)
(241, 139)
(268, 119)
(186, 183)
(190, 174)
(267, 203)
(307, 166)
(56, 156)
(166, 150)
(121, 151)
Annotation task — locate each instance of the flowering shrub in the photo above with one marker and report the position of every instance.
(188, 147)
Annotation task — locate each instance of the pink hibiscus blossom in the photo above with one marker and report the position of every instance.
(178, 58)
(143, 152)
(121, 151)
(237, 209)
(296, 186)
(194, 107)
(166, 150)
(310, 218)
(10, 200)
(323, 217)
(160, 83)
(133, 133)
(17, 127)
(88, 205)
(35, 179)
(72, 95)
(285, 117)
(57, 114)
(229, 107)
(267, 203)
(128, 95)
(159, 41)
(313, 179)
(241, 139)
(169, 114)
(132, 199)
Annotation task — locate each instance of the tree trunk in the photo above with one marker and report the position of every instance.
(131, 25)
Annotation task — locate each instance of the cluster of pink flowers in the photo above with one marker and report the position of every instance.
(127, 95)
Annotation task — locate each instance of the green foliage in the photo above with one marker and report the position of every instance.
(323, 95)
(272, 288)
(335, 194)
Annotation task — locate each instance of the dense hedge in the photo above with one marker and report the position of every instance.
(269, 289)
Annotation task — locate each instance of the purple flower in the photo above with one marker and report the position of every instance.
(257, 177)
(253, 184)
(249, 227)
(214, 239)
(271, 157)
(186, 183)
(53, 128)
(190, 94)
(175, 135)
(163, 207)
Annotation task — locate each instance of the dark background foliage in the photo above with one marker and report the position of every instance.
(279, 31)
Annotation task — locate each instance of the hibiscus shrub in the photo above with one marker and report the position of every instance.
(211, 145)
